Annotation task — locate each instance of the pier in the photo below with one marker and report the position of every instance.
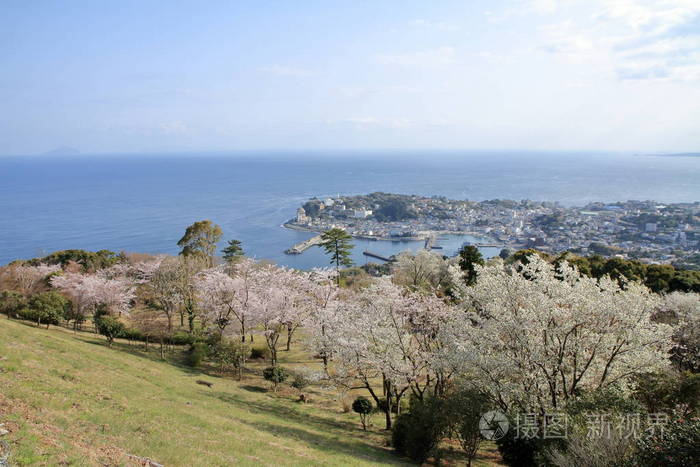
(377, 256)
(299, 248)
(431, 243)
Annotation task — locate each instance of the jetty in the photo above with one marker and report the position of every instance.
(377, 256)
(300, 247)
(431, 242)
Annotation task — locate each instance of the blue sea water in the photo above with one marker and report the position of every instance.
(143, 203)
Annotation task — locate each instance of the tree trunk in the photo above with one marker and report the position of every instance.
(190, 320)
(289, 338)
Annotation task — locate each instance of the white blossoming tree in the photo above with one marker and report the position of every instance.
(534, 335)
(387, 339)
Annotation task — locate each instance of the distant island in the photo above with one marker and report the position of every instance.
(646, 230)
(62, 151)
(679, 154)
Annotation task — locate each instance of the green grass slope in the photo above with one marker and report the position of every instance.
(67, 399)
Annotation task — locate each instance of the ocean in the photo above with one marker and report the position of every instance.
(143, 203)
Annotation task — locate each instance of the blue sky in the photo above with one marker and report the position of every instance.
(135, 76)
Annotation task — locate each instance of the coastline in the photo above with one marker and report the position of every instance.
(419, 238)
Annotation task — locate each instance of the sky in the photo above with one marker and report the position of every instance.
(157, 76)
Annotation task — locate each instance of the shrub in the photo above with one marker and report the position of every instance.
(275, 375)
(301, 380)
(519, 451)
(196, 354)
(47, 308)
(182, 338)
(466, 407)
(677, 445)
(399, 432)
(364, 408)
(109, 326)
(231, 355)
(418, 432)
(133, 334)
(259, 353)
(11, 303)
(584, 449)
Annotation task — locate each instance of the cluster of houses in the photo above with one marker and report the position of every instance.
(656, 232)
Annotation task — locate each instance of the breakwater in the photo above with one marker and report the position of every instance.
(300, 247)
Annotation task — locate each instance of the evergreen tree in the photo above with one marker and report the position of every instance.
(233, 251)
(337, 243)
(469, 257)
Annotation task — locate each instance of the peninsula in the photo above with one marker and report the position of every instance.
(647, 230)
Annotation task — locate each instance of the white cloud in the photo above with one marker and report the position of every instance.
(441, 56)
(438, 25)
(282, 70)
(640, 39)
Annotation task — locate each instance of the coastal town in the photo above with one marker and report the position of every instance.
(647, 230)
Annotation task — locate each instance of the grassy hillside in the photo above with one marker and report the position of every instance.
(69, 399)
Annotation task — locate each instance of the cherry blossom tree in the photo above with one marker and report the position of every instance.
(386, 337)
(90, 291)
(25, 278)
(425, 269)
(323, 298)
(278, 302)
(227, 294)
(164, 291)
(684, 311)
(534, 335)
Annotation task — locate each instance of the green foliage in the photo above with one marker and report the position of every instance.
(182, 338)
(46, 308)
(376, 269)
(133, 334)
(233, 250)
(606, 400)
(659, 278)
(603, 249)
(200, 240)
(677, 445)
(312, 207)
(275, 375)
(11, 303)
(364, 408)
(519, 451)
(467, 406)
(399, 433)
(230, 355)
(418, 432)
(90, 261)
(338, 244)
(671, 390)
(505, 253)
(108, 326)
(393, 210)
(196, 354)
(301, 380)
(469, 258)
(259, 353)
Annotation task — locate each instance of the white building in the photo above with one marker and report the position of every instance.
(302, 218)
